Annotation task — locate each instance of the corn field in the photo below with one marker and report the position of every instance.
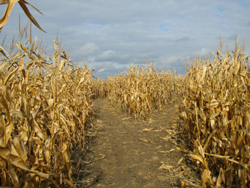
(140, 90)
(99, 88)
(215, 112)
(45, 105)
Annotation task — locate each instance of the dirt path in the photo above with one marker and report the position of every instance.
(127, 153)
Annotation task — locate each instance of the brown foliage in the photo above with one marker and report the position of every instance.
(44, 107)
(141, 90)
(10, 6)
(215, 112)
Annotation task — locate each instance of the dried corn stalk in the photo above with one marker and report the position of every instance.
(216, 114)
(44, 107)
(99, 88)
(140, 90)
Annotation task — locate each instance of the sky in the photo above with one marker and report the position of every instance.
(111, 34)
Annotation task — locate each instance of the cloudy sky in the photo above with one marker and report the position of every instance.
(110, 34)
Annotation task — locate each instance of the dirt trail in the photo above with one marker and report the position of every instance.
(121, 155)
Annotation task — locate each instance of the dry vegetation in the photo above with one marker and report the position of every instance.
(44, 106)
(10, 6)
(99, 88)
(140, 90)
(215, 112)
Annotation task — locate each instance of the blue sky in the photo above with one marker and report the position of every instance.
(110, 34)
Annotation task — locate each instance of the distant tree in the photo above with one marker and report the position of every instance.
(9, 8)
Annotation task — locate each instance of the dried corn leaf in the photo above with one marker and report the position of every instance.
(167, 151)
(16, 161)
(8, 10)
(180, 160)
(20, 148)
(148, 130)
(206, 178)
(165, 167)
(29, 15)
(146, 140)
(14, 177)
(197, 157)
(181, 149)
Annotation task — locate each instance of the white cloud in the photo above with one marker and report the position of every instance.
(109, 34)
(87, 49)
(203, 52)
(173, 59)
(107, 55)
(101, 70)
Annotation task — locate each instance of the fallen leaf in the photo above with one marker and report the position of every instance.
(165, 166)
(167, 151)
(148, 130)
(146, 140)
(180, 160)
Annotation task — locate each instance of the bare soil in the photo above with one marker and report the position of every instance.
(124, 153)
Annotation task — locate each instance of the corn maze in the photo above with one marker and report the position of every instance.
(45, 105)
(214, 110)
